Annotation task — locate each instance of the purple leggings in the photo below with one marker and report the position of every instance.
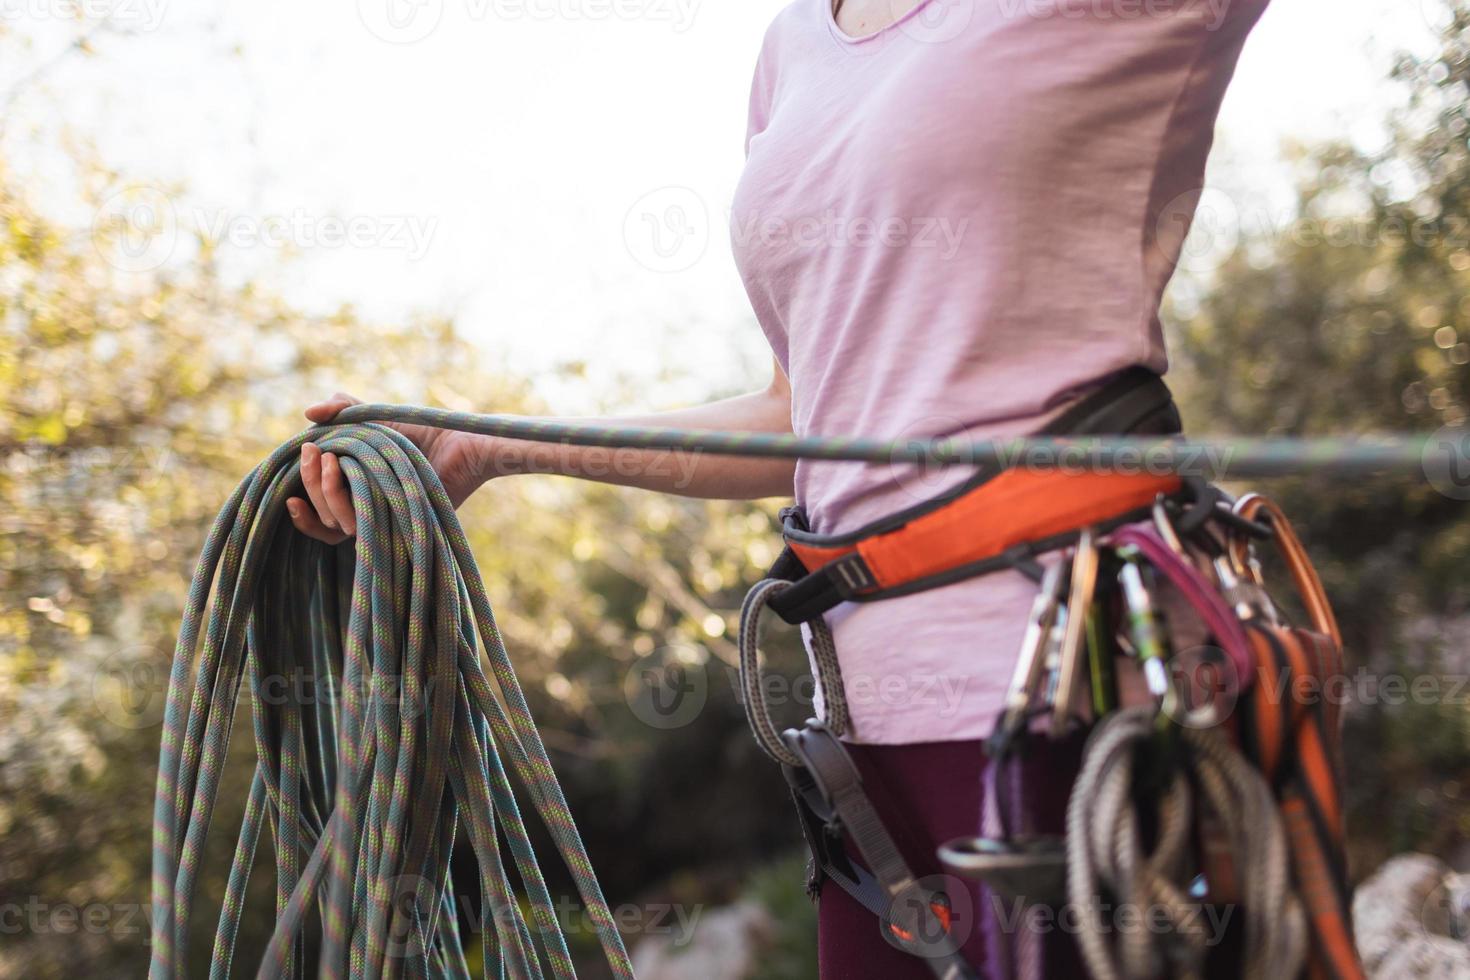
(927, 794)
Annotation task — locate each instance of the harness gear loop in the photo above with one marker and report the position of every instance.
(752, 678)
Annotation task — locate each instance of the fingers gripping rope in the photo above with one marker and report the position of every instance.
(378, 736)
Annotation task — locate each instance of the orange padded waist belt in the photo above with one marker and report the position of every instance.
(1005, 521)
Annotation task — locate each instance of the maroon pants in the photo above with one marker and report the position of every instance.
(927, 794)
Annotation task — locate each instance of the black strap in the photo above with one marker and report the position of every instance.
(829, 793)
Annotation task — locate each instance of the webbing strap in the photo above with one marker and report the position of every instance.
(908, 907)
(1291, 727)
(1296, 747)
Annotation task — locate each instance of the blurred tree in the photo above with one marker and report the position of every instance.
(1353, 316)
(136, 387)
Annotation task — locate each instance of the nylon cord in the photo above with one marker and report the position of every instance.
(378, 737)
(1238, 457)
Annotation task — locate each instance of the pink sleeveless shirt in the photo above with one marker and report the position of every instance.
(955, 225)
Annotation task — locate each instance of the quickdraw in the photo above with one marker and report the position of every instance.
(1236, 790)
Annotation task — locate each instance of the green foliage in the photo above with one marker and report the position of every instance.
(131, 402)
(792, 954)
(1354, 317)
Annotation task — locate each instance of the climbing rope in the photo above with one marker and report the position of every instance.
(379, 738)
(1235, 457)
(1106, 854)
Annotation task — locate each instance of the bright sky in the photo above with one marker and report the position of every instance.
(494, 158)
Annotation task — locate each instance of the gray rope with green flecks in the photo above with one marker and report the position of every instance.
(1417, 455)
(379, 738)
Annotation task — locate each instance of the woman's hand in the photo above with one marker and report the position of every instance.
(460, 458)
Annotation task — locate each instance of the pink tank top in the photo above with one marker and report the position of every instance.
(955, 225)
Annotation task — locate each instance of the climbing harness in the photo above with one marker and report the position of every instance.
(1180, 801)
(379, 739)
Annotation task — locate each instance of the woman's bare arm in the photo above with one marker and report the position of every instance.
(465, 461)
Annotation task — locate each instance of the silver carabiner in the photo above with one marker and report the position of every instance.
(1149, 643)
(1030, 663)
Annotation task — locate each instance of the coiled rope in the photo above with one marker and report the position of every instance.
(378, 736)
(1105, 852)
